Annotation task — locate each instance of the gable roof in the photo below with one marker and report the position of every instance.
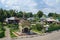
(24, 22)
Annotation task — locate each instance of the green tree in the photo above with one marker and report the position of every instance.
(19, 14)
(37, 27)
(50, 14)
(12, 12)
(34, 15)
(29, 14)
(1, 15)
(54, 15)
(39, 14)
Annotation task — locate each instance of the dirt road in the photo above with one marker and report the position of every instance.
(50, 36)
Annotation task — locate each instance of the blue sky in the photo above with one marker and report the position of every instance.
(32, 5)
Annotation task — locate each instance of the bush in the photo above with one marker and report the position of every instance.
(11, 34)
(37, 27)
(53, 27)
(2, 30)
(2, 34)
(13, 26)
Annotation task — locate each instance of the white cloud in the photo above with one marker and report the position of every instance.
(20, 4)
(31, 5)
(54, 6)
(47, 10)
(2, 1)
(51, 2)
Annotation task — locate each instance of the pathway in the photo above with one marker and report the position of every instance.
(7, 34)
(50, 36)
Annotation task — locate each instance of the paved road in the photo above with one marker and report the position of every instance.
(51, 36)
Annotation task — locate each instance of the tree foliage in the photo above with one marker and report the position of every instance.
(2, 30)
(55, 15)
(39, 14)
(13, 13)
(29, 14)
(19, 14)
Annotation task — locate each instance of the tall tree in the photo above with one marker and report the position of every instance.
(29, 14)
(19, 14)
(54, 15)
(1, 15)
(12, 12)
(39, 14)
(50, 14)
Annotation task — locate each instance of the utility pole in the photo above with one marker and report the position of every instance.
(23, 15)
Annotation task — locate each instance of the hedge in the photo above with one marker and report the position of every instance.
(2, 34)
(2, 30)
(53, 27)
(13, 26)
(37, 27)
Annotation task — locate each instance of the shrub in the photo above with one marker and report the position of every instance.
(13, 26)
(53, 27)
(37, 27)
(2, 30)
(2, 34)
(11, 34)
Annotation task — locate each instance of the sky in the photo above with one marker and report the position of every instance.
(32, 5)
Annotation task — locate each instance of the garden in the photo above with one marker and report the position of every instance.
(38, 28)
(2, 31)
(13, 28)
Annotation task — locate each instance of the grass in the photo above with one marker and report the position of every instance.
(13, 28)
(2, 33)
(11, 34)
(38, 32)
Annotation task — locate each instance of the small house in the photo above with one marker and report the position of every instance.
(31, 19)
(43, 18)
(12, 20)
(49, 20)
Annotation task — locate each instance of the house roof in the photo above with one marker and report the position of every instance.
(11, 18)
(43, 17)
(24, 22)
(31, 18)
(50, 19)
